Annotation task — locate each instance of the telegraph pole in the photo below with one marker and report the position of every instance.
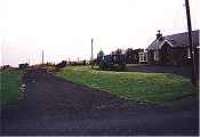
(189, 25)
(91, 59)
(42, 56)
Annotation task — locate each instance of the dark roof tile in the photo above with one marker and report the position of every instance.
(177, 40)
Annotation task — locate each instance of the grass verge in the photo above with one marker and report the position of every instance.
(10, 84)
(134, 86)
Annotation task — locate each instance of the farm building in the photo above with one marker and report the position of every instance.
(172, 49)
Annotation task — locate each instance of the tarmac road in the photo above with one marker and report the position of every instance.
(53, 106)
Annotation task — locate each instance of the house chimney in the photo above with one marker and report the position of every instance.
(159, 35)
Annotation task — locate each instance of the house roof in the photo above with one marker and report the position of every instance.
(176, 40)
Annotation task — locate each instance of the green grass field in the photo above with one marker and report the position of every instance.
(133, 86)
(10, 84)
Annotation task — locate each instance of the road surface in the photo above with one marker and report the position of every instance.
(53, 106)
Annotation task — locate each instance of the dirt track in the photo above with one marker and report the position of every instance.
(53, 106)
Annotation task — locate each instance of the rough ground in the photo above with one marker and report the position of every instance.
(53, 106)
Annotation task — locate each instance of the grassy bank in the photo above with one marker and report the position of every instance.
(135, 86)
(10, 84)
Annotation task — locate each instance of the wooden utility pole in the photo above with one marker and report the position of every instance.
(91, 59)
(189, 25)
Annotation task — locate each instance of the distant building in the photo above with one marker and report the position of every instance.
(172, 49)
(23, 66)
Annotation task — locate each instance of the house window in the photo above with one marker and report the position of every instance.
(141, 57)
(188, 53)
(156, 55)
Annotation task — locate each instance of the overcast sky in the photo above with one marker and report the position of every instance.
(63, 28)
